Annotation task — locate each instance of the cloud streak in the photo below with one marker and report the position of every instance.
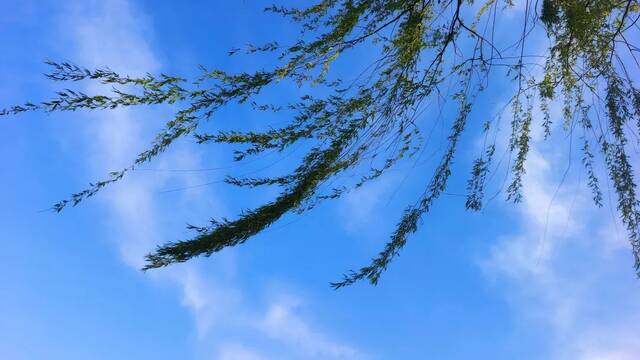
(282, 323)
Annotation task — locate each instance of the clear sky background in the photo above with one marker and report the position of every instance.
(551, 278)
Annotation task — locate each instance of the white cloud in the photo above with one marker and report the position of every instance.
(283, 323)
(111, 34)
(563, 262)
(360, 207)
(114, 34)
(210, 302)
(619, 343)
(238, 352)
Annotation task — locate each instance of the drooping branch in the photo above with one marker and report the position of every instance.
(420, 50)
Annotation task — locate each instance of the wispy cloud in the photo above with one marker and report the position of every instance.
(209, 301)
(361, 207)
(564, 262)
(238, 352)
(114, 34)
(281, 322)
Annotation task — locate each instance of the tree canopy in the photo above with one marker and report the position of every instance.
(417, 47)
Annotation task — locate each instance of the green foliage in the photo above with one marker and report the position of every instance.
(420, 47)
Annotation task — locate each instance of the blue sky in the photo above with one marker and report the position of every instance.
(550, 278)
